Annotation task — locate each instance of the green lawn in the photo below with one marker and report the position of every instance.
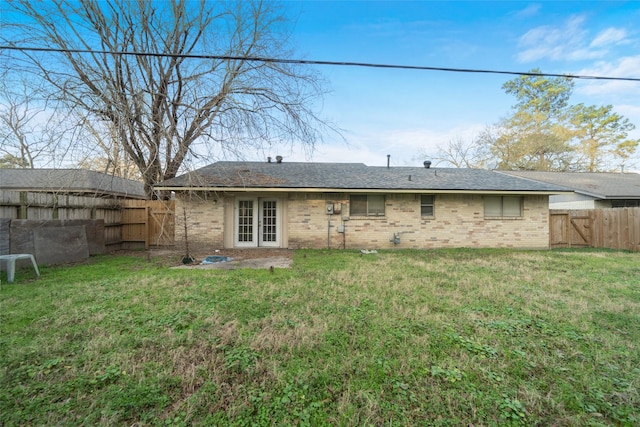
(445, 337)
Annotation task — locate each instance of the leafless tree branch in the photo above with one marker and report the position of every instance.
(163, 107)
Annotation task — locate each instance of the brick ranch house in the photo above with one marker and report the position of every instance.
(277, 204)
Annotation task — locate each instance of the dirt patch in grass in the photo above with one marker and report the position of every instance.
(258, 263)
(238, 258)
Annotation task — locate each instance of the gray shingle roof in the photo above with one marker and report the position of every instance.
(596, 184)
(349, 176)
(70, 181)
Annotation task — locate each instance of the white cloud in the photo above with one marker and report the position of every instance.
(610, 36)
(406, 147)
(624, 67)
(529, 11)
(631, 112)
(568, 42)
(552, 42)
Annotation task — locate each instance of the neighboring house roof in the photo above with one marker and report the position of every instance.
(70, 181)
(599, 185)
(285, 176)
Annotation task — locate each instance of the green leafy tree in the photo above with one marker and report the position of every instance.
(601, 135)
(536, 135)
(9, 161)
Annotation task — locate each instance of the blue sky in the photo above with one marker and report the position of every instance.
(409, 113)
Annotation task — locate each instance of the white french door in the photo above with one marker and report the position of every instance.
(257, 222)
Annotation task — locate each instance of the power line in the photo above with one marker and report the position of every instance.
(318, 62)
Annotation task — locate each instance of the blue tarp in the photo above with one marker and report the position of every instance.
(214, 259)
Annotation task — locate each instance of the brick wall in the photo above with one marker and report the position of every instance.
(205, 222)
(458, 222)
(309, 224)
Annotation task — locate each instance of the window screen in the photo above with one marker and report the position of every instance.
(366, 205)
(358, 205)
(511, 206)
(502, 206)
(375, 205)
(427, 205)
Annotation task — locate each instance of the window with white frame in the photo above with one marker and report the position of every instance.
(503, 206)
(427, 205)
(366, 205)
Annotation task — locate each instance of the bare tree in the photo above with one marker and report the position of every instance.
(460, 153)
(29, 129)
(108, 154)
(174, 78)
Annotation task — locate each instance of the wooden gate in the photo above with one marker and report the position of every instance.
(569, 229)
(148, 223)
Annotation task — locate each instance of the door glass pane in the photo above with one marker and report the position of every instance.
(269, 221)
(245, 221)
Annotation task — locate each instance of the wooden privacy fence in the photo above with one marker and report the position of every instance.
(128, 223)
(617, 228)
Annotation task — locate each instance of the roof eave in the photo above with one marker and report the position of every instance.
(594, 195)
(75, 191)
(358, 190)
(618, 197)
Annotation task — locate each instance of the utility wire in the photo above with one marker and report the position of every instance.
(316, 62)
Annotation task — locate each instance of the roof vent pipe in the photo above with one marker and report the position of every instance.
(279, 159)
(427, 164)
(268, 159)
(388, 160)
